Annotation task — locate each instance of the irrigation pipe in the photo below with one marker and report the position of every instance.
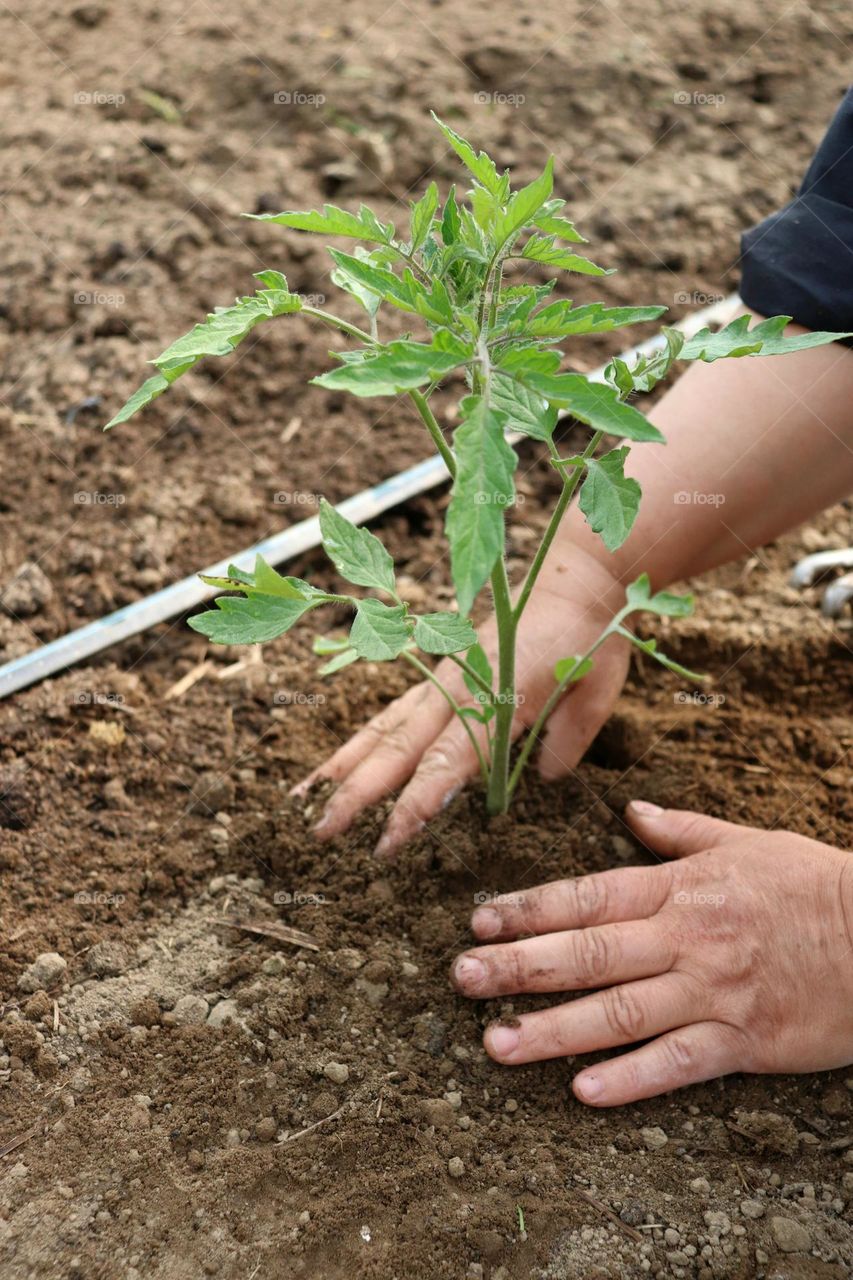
(285, 545)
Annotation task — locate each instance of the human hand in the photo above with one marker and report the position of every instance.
(417, 739)
(737, 957)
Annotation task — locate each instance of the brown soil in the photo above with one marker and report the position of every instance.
(155, 1143)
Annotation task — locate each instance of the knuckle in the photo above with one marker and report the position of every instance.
(591, 957)
(678, 1052)
(591, 896)
(624, 1014)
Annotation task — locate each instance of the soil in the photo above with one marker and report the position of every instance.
(186, 1097)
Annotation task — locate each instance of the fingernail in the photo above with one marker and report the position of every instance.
(645, 808)
(323, 826)
(504, 1040)
(384, 846)
(589, 1087)
(468, 972)
(300, 788)
(486, 922)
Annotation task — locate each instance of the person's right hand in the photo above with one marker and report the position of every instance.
(417, 738)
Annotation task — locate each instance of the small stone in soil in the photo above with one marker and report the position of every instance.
(337, 1072)
(455, 1167)
(266, 1129)
(752, 1208)
(653, 1138)
(790, 1236)
(190, 1011)
(45, 970)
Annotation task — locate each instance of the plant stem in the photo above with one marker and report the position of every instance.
(454, 706)
(420, 403)
(497, 799)
(475, 675)
(570, 484)
(336, 323)
(555, 696)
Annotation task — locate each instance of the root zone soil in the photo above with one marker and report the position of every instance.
(188, 1098)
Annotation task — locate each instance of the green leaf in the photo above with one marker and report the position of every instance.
(249, 620)
(271, 583)
(478, 661)
(423, 213)
(647, 371)
(150, 390)
(345, 280)
(380, 631)
(556, 226)
(572, 669)
(444, 633)
(357, 554)
(594, 403)
(451, 224)
(324, 645)
(651, 648)
(766, 338)
(543, 249)
(609, 499)
(482, 491)
(390, 370)
(405, 292)
(523, 205)
(338, 662)
(561, 319)
(526, 410)
(225, 327)
(333, 222)
(477, 163)
(638, 594)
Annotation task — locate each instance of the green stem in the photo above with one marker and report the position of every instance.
(475, 675)
(497, 800)
(420, 403)
(570, 484)
(454, 706)
(336, 323)
(555, 696)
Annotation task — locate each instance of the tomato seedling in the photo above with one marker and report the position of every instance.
(504, 340)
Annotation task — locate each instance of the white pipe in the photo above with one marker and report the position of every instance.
(288, 543)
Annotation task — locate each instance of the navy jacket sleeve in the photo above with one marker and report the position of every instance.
(799, 261)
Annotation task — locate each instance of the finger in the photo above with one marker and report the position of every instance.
(345, 759)
(688, 1055)
(392, 759)
(577, 960)
(628, 893)
(445, 767)
(576, 720)
(620, 1015)
(676, 833)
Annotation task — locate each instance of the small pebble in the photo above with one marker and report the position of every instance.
(45, 970)
(337, 1072)
(752, 1208)
(455, 1167)
(266, 1129)
(653, 1138)
(790, 1236)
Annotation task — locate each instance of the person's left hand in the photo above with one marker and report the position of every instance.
(738, 957)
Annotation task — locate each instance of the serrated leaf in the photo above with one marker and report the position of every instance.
(525, 409)
(271, 583)
(443, 633)
(380, 631)
(524, 355)
(562, 320)
(226, 327)
(572, 669)
(390, 370)
(766, 338)
(481, 166)
(423, 212)
(250, 619)
(651, 648)
(543, 249)
(594, 403)
(609, 499)
(523, 205)
(451, 224)
(150, 390)
(356, 553)
(554, 225)
(638, 595)
(478, 661)
(482, 491)
(344, 279)
(333, 222)
(647, 371)
(405, 291)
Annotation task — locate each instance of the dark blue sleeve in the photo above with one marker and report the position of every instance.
(799, 261)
